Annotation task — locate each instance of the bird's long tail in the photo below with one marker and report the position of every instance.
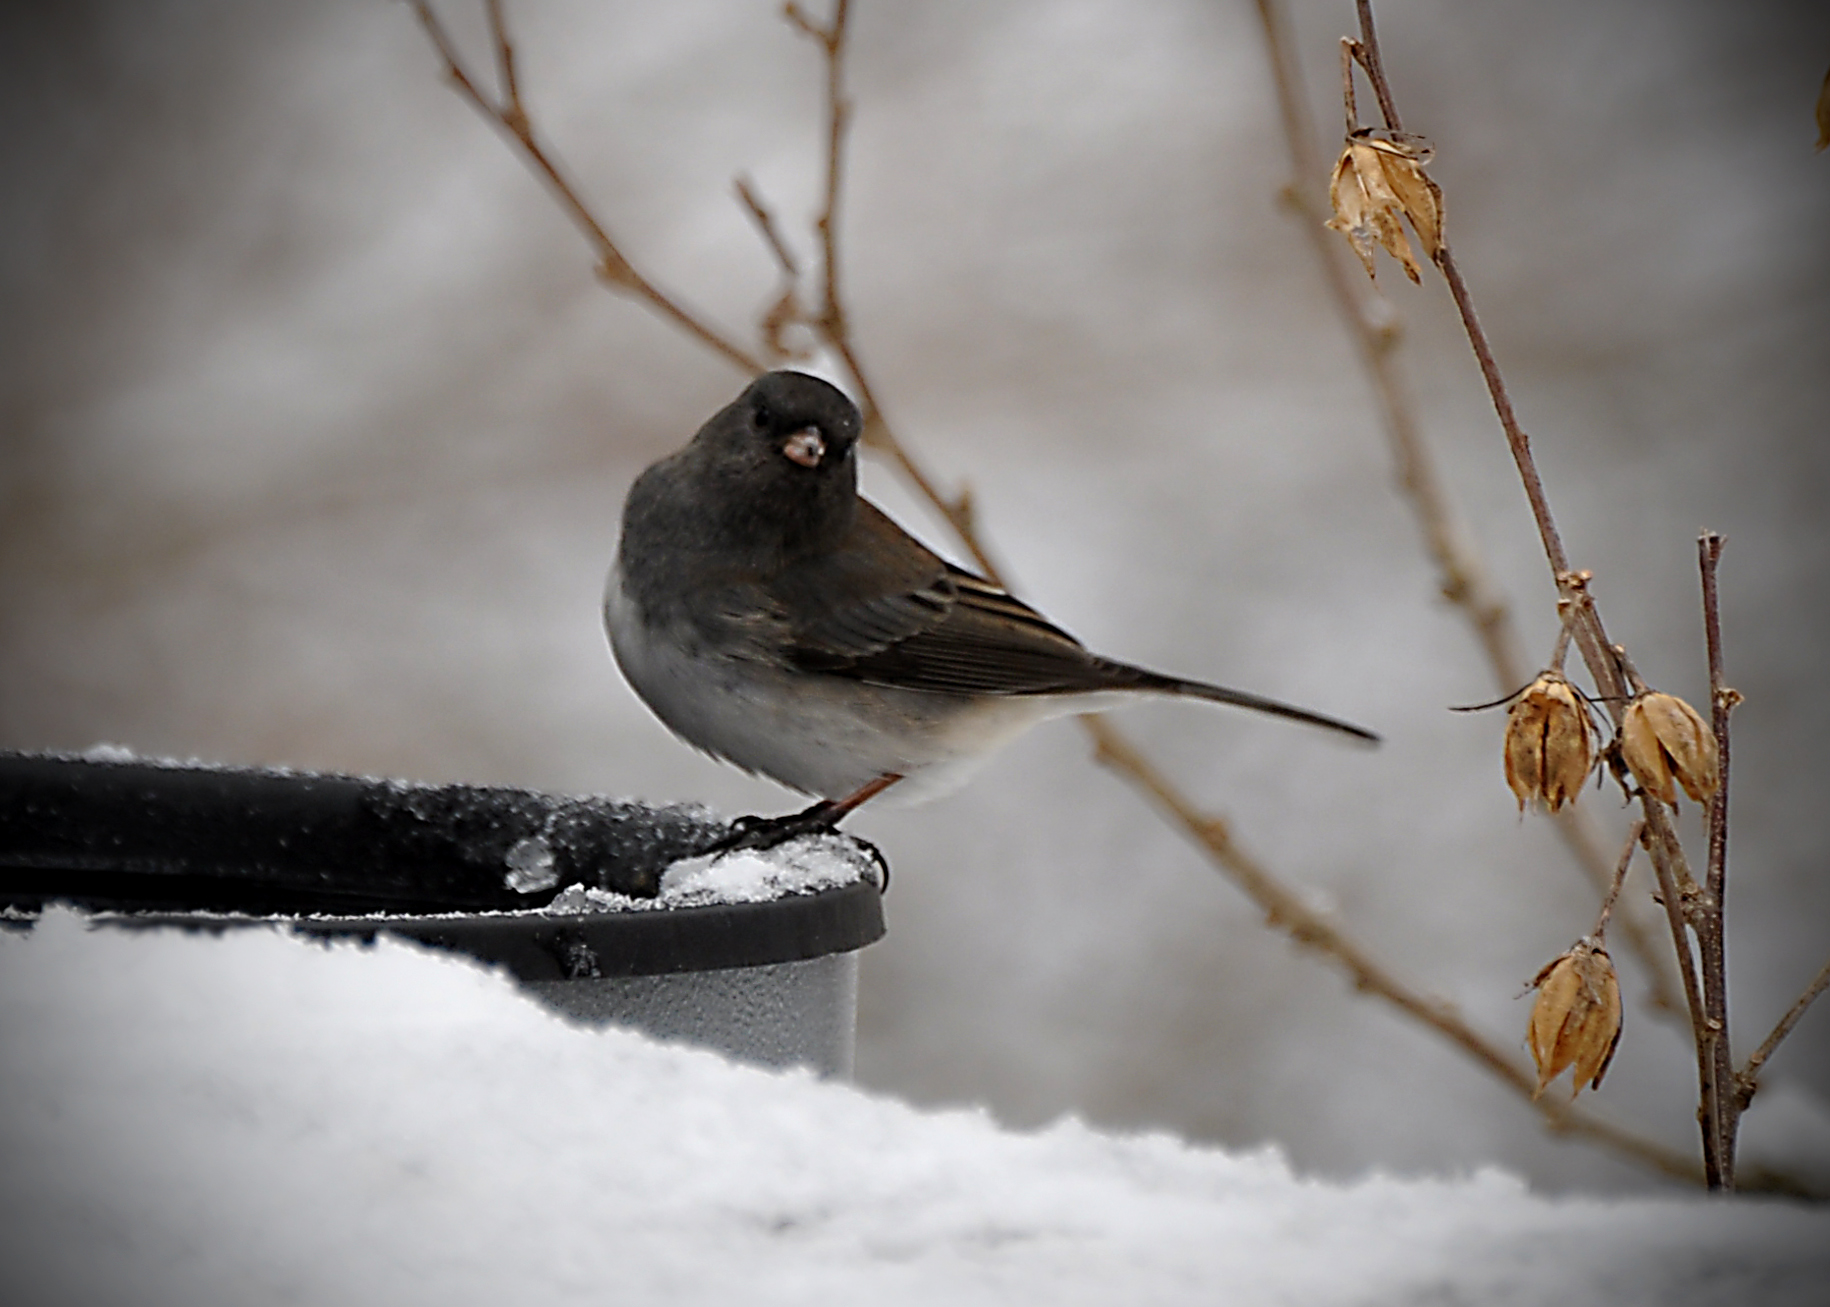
(1140, 678)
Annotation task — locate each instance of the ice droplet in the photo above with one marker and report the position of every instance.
(530, 866)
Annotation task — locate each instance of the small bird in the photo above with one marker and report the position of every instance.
(772, 617)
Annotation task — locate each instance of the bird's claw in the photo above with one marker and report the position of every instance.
(761, 833)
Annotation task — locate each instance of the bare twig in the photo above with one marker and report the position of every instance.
(512, 120)
(832, 323)
(1599, 653)
(1712, 910)
(1620, 878)
(1461, 575)
(765, 223)
(1285, 910)
(1677, 907)
(1747, 1080)
(1349, 100)
(511, 110)
(787, 311)
(1367, 51)
(1722, 700)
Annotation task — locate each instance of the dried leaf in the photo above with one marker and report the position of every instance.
(1639, 747)
(1377, 182)
(1575, 1021)
(1549, 743)
(1420, 198)
(1663, 738)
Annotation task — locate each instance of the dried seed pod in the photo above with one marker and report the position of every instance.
(1575, 1021)
(1663, 737)
(1377, 182)
(1549, 743)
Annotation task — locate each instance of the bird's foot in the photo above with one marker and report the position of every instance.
(761, 833)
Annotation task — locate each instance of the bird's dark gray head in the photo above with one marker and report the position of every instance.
(785, 417)
(772, 475)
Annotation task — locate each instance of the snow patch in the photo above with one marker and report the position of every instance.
(198, 1120)
(803, 866)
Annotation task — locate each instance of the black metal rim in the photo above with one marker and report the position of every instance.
(149, 844)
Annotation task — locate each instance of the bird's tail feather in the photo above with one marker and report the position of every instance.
(1147, 680)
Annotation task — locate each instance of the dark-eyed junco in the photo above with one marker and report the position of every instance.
(773, 618)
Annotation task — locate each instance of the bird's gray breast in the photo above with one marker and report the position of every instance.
(717, 687)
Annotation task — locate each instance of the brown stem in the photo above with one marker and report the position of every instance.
(1712, 915)
(765, 223)
(505, 63)
(1591, 638)
(1620, 878)
(1516, 439)
(513, 122)
(1368, 52)
(1349, 102)
(833, 326)
(1286, 911)
(1747, 1080)
(1722, 700)
(1581, 834)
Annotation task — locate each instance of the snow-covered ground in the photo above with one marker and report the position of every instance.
(251, 1119)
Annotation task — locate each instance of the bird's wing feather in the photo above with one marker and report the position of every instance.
(864, 596)
(886, 611)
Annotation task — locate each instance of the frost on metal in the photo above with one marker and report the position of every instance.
(112, 830)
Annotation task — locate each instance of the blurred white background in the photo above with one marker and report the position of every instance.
(316, 428)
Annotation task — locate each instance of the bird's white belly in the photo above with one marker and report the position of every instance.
(823, 735)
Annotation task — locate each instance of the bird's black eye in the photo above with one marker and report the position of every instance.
(761, 418)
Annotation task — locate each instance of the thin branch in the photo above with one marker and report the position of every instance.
(1349, 101)
(1748, 1078)
(832, 323)
(1516, 439)
(512, 111)
(1620, 878)
(1677, 890)
(1722, 700)
(1582, 835)
(1367, 50)
(1712, 914)
(1461, 575)
(1286, 911)
(510, 118)
(787, 311)
(1598, 652)
(765, 223)
(798, 16)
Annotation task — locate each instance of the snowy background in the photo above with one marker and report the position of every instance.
(316, 429)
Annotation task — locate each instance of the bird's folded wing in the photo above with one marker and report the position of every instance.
(888, 612)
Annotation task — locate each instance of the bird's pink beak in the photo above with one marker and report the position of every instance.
(805, 447)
